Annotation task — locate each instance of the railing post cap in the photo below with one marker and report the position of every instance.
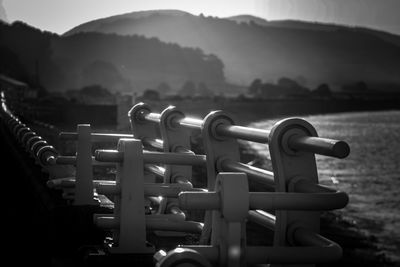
(134, 112)
(215, 118)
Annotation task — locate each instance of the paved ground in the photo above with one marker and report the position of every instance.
(25, 226)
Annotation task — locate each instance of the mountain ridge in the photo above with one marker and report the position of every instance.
(334, 55)
(309, 25)
(118, 63)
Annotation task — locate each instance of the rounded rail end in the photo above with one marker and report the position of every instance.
(341, 149)
(138, 112)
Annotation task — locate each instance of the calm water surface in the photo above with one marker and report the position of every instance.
(370, 174)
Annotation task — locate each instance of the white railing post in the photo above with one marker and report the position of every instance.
(128, 222)
(84, 168)
(176, 139)
(216, 149)
(291, 167)
(229, 203)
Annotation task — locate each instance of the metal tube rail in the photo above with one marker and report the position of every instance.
(171, 190)
(97, 137)
(153, 157)
(107, 187)
(154, 143)
(321, 146)
(155, 169)
(304, 186)
(199, 200)
(244, 133)
(154, 223)
(317, 145)
(269, 201)
(69, 182)
(71, 160)
(313, 248)
(151, 117)
(316, 249)
(174, 158)
(298, 201)
(176, 211)
(191, 123)
(262, 218)
(253, 173)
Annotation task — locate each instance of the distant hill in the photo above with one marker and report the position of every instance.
(118, 63)
(3, 15)
(313, 26)
(308, 52)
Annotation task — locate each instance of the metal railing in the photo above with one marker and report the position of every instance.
(160, 145)
(297, 199)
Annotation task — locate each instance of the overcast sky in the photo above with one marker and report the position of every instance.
(61, 15)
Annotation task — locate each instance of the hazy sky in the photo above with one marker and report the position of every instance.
(61, 15)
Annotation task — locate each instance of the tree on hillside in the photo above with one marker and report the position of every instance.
(163, 88)
(188, 89)
(255, 87)
(322, 90)
(291, 87)
(204, 91)
(95, 91)
(151, 94)
(355, 87)
(269, 90)
(11, 66)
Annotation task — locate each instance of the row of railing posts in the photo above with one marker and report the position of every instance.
(154, 169)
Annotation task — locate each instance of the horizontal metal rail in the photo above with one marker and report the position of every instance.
(155, 169)
(151, 117)
(253, 173)
(154, 143)
(110, 187)
(71, 160)
(190, 123)
(244, 133)
(70, 182)
(98, 137)
(153, 157)
(262, 218)
(170, 190)
(322, 146)
(185, 122)
(314, 249)
(269, 201)
(155, 223)
(173, 209)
